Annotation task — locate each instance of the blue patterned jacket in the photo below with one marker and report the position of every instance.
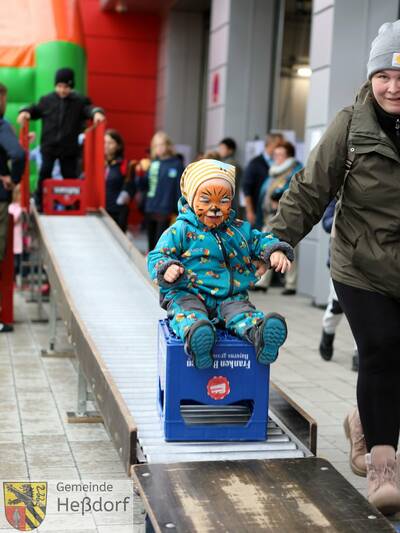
(217, 262)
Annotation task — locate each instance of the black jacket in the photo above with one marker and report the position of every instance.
(10, 152)
(116, 182)
(63, 120)
(254, 175)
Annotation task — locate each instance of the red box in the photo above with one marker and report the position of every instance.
(64, 197)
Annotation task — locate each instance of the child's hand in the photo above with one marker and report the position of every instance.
(261, 267)
(280, 262)
(173, 273)
(7, 183)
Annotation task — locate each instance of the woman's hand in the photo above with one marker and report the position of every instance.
(173, 272)
(279, 262)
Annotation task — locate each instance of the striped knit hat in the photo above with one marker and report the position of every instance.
(206, 169)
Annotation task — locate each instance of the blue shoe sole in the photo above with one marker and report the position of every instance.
(274, 335)
(201, 345)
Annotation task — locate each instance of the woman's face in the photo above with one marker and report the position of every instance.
(213, 201)
(110, 146)
(279, 155)
(386, 89)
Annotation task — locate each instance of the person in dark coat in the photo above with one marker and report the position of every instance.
(12, 165)
(256, 172)
(227, 154)
(161, 184)
(63, 113)
(120, 187)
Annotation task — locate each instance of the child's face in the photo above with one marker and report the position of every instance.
(110, 146)
(63, 90)
(213, 201)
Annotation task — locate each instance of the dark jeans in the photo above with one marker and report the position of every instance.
(69, 169)
(375, 322)
(156, 224)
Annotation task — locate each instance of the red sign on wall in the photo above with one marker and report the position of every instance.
(215, 88)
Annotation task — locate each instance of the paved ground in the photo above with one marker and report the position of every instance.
(36, 441)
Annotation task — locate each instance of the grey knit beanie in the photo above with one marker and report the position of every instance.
(385, 49)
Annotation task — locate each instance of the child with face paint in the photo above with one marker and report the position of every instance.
(203, 264)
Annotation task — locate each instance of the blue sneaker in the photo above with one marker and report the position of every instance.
(269, 335)
(199, 344)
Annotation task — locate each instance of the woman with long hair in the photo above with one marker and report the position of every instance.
(120, 187)
(161, 184)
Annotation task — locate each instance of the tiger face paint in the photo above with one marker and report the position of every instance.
(213, 201)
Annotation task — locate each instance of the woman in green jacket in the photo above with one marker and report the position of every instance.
(358, 160)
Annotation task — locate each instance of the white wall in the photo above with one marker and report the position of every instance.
(180, 77)
(293, 96)
(240, 57)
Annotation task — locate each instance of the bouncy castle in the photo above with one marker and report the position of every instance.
(114, 57)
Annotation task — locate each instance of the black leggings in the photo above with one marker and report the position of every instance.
(375, 322)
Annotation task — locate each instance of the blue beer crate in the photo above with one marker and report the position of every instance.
(228, 402)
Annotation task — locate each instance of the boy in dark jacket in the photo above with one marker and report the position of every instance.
(204, 265)
(64, 113)
(10, 151)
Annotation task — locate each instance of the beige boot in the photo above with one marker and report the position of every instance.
(383, 479)
(358, 448)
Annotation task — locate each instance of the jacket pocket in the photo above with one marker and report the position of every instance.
(380, 265)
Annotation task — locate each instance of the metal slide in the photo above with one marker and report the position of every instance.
(103, 290)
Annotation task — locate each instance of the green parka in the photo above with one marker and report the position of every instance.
(365, 245)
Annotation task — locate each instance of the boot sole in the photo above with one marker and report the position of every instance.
(201, 345)
(274, 335)
(355, 470)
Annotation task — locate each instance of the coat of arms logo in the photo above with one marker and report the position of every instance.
(25, 504)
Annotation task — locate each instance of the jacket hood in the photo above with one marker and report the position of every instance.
(186, 213)
(364, 94)
(364, 124)
(365, 129)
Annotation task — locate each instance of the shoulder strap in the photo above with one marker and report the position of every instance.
(351, 154)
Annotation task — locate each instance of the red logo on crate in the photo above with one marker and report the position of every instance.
(218, 388)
